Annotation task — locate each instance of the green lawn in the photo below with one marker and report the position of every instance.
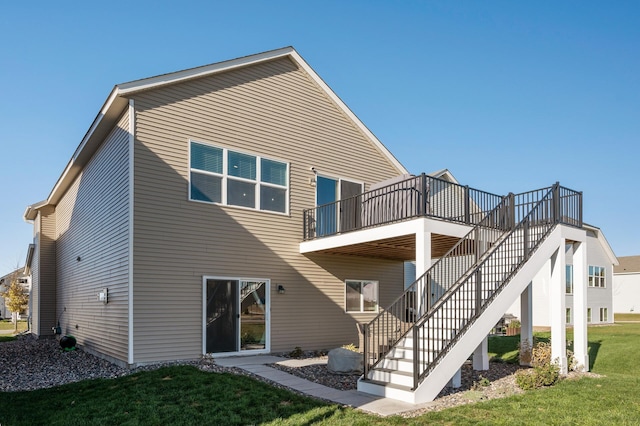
(8, 325)
(184, 395)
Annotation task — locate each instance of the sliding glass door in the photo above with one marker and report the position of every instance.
(236, 315)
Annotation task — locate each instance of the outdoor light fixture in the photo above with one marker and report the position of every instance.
(280, 289)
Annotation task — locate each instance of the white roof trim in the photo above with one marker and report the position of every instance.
(180, 76)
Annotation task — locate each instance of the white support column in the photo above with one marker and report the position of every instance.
(526, 322)
(456, 380)
(557, 306)
(580, 278)
(481, 356)
(423, 262)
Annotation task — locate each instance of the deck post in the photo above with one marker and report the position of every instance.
(526, 322)
(481, 355)
(423, 262)
(580, 340)
(557, 306)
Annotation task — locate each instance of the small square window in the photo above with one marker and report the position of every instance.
(273, 199)
(242, 165)
(241, 193)
(361, 296)
(206, 187)
(206, 158)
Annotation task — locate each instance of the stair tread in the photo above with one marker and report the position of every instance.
(390, 385)
(393, 370)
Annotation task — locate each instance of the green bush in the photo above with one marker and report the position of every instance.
(543, 373)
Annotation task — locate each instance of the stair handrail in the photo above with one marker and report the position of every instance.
(406, 309)
(538, 223)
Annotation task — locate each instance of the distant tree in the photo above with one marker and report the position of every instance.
(16, 298)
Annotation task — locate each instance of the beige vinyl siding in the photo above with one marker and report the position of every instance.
(47, 271)
(92, 225)
(43, 274)
(34, 297)
(274, 110)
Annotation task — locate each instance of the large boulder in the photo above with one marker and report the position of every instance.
(344, 361)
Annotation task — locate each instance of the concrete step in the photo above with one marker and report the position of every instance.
(387, 390)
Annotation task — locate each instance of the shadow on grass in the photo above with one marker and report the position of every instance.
(7, 338)
(594, 348)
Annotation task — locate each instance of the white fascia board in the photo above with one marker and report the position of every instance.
(296, 56)
(571, 233)
(31, 212)
(384, 232)
(203, 71)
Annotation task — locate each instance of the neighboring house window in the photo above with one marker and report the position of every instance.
(568, 315)
(596, 276)
(604, 315)
(569, 279)
(589, 315)
(222, 176)
(361, 296)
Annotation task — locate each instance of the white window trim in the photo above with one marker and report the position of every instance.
(604, 278)
(570, 268)
(605, 317)
(362, 311)
(224, 176)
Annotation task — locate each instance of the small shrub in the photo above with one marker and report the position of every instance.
(350, 347)
(543, 373)
(296, 352)
(537, 377)
(483, 382)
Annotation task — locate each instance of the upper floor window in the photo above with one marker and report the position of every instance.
(596, 276)
(219, 175)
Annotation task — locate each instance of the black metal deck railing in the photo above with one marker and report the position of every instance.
(455, 290)
(414, 197)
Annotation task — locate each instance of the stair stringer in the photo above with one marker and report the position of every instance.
(442, 373)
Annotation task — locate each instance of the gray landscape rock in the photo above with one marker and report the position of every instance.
(344, 361)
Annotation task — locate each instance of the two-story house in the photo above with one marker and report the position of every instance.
(241, 208)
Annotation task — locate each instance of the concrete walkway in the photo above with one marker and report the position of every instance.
(362, 401)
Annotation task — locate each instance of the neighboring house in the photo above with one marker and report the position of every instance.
(241, 208)
(600, 287)
(24, 278)
(626, 285)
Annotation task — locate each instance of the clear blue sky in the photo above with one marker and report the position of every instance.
(509, 96)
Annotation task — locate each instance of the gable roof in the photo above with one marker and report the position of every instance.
(118, 100)
(628, 265)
